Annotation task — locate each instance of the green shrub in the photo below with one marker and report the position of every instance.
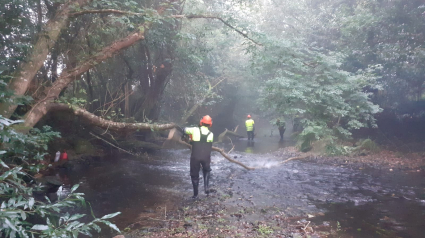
(368, 145)
(21, 156)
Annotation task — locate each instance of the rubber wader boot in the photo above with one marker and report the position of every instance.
(195, 183)
(206, 182)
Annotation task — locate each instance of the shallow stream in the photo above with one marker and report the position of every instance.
(365, 203)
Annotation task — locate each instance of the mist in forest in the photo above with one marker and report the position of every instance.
(82, 80)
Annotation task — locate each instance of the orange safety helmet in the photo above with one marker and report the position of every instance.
(206, 120)
(249, 116)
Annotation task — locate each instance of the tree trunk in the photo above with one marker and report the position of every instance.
(41, 107)
(54, 69)
(147, 77)
(90, 89)
(46, 39)
(39, 16)
(127, 90)
(150, 107)
(106, 124)
(127, 102)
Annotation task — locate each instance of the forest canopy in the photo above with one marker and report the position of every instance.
(331, 64)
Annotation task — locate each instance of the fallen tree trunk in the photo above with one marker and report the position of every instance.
(106, 124)
(227, 133)
(122, 126)
(41, 107)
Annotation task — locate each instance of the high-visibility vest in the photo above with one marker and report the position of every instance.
(202, 140)
(196, 132)
(249, 125)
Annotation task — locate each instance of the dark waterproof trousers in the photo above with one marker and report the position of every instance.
(201, 156)
(281, 131)
(250, 135)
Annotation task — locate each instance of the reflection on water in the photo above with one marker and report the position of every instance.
(134, 187)
(250, 147)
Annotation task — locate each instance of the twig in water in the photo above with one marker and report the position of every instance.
(128, 152)
(233, 146)
(305, 227)
(293, 158)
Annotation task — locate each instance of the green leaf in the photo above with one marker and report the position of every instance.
(110, 215)
(75, 187)
(10, 224)
(31, 202)
(91, 210)
(23, 215)
(113, 226)
(96, 227)
(76, 216)
(40, 227)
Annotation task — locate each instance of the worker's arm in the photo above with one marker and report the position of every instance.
(186, 132)
(189, 130)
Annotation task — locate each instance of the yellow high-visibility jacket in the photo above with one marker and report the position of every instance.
(249, 125)
(196, 133)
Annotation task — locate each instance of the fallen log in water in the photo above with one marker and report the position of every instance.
(227, 133)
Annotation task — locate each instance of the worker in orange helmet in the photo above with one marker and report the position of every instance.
(249, 123)
(202, 139)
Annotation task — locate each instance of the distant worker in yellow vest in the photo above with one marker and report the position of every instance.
(250, 127)
(202, 139)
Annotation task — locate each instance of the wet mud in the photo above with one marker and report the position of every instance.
(277, 200)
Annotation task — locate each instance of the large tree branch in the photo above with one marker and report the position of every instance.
(106, 124)
(198, 104)
(220, 19)
(46, 39)
(120, 12)
(69, 75)
(41, 107)
(105, 11)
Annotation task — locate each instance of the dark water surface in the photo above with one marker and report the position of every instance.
(365, 203)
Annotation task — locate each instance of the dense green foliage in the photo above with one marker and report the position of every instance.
(334, 63)
(311, 85)
(21, 214)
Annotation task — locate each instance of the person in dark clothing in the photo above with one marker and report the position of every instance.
(282, 127)
(202, 140)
